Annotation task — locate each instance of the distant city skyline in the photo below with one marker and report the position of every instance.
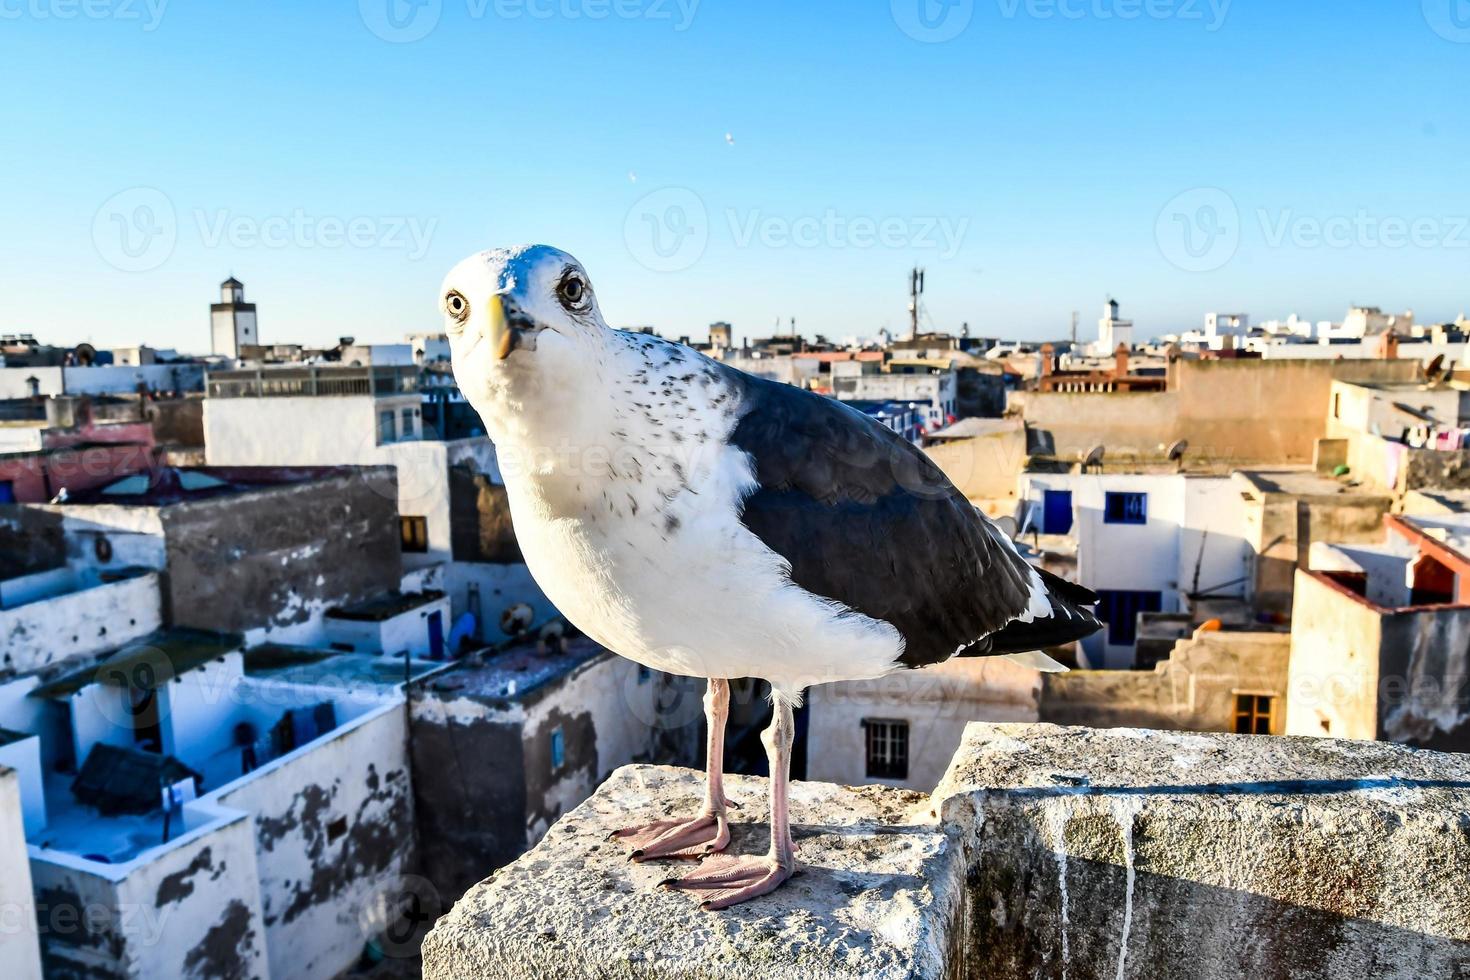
(1035, 157)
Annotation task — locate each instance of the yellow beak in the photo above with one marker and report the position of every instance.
(499, 332)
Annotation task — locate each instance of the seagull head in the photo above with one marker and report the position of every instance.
(518, 319)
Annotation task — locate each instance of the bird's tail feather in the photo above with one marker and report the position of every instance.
(1072, 618)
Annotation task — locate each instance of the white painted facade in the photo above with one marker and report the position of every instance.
(1191, 541)
(20, 943)
(23, 757)
(78, 623)
(935, 704)
(99, 379)
(407, 632)
(1112, 330)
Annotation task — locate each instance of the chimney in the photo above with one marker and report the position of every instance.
(1048, 360)
(1120, 361)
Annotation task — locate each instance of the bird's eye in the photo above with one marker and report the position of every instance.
(456, 306)
(572, 291)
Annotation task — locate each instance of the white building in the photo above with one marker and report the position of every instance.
(232, 320)
(1145, 543)
(452, 510)
(934, 389)
(1112, 330)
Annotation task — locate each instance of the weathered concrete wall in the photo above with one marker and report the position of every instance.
(1334, 674)
(20, 944)
(1424, 679)
(937, 702)
(276, 559)
(1274, 527)
(1194, 690)
(987, 467)
(878, 899)
(1242, 410)
(1080, 854)
(503, 792)
(31, 540)
(334, 831)
(1141, 854)
(78, 624)
(190, 912)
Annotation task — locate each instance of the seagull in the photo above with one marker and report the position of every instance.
(707, 523)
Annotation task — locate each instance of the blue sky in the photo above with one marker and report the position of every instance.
(1185, 156)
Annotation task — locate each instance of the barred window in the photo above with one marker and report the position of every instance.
(888, 748)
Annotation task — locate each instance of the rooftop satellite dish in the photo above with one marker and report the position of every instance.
(1177, 451)
(85, 354)
(1434, 367)
(1008, 526)
(1094, 458)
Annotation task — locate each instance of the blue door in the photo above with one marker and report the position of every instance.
(436, 635)
(1056, 511)
(1120, 609)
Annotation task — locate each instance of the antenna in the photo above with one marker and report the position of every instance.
(1094, 459)
(1074, 328)
(916, 290)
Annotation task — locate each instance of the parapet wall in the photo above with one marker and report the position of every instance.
(1045, 852)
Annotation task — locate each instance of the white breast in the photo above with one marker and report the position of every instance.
(650, 559)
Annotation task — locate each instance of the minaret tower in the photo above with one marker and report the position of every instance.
(232, 320)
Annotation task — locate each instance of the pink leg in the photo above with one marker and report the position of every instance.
(710, 831)
(724, 881)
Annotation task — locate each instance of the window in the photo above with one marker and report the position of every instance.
(558, 749)
(1056, 511)
(407, 423)
(7, 491)
(414, 532)
(385, 426)
(888, 749)
(1253, 714)
(1120, 611)
(1125, 508)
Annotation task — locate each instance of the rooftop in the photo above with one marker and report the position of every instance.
(514, 673)
(148, 662)
(385, 606)
(316, 667)
(166, 485)
(310, 381)
(1302, 483)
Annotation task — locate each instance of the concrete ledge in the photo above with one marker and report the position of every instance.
(1134, 853)
(878, 898)
(1046, 852)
